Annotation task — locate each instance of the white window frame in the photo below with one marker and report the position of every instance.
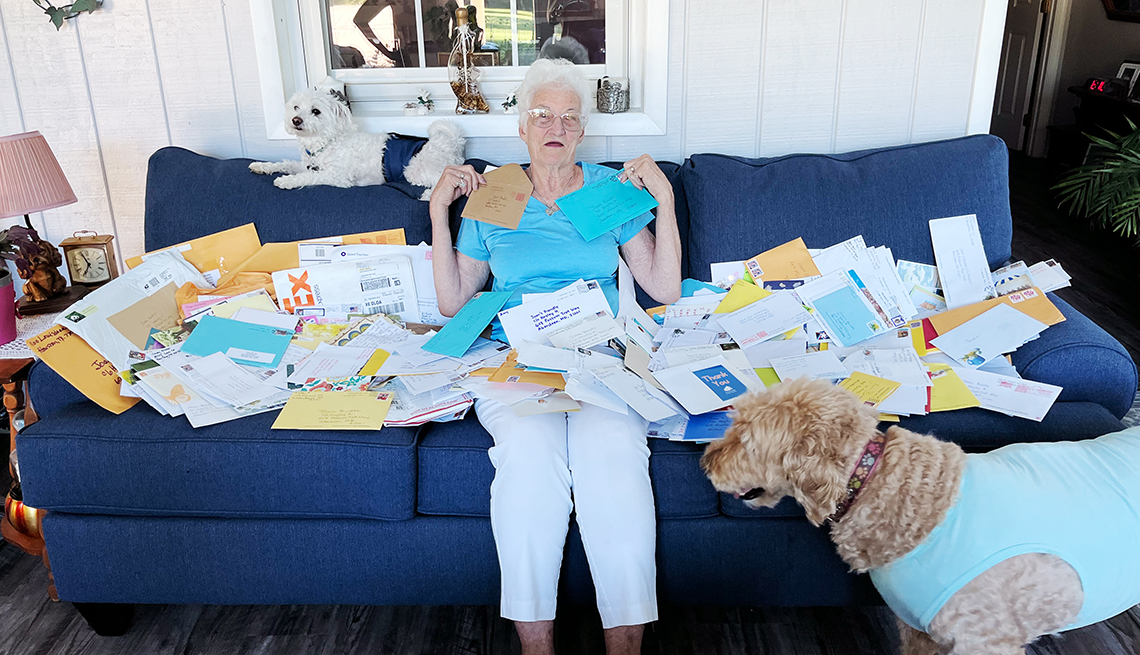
(293, 53)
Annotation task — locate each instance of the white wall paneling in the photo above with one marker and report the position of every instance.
(194, 58)
(800, 68)
(54, 100)
(942, 91)
(722, 72)
(126, 100)
(745, 77)
(877, 71)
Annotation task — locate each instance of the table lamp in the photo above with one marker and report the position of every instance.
(31, 180)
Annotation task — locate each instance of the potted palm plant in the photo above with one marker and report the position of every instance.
(1106, 190)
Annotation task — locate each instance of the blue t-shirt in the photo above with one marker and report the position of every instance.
(546, 253)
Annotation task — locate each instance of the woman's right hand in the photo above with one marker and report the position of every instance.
(454, 182)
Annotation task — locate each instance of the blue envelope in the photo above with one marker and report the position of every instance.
(846, 312)
(245, 343)
(462, 330)
(706, 427)
(604, 205)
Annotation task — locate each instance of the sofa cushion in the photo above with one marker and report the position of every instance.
(455, 473)
(190, 195)
(1083, 359)
(85, 460)
(740, 207)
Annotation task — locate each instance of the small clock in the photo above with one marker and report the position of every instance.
(90, 258)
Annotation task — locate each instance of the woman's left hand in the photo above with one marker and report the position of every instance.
(644, 173)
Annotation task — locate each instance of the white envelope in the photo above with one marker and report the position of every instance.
(906, 400)
(89, 316)
(372, 285)
(991, 334)
(706, 385)
(961, 258)
(261, 317)
(901, 365)
(586, 388)
(585, 332)
(840, 257)
(760, 355)
(764, 319)
(634, 392)
(528, 321)
(817, 366)
(331, 362)
(1012, 396)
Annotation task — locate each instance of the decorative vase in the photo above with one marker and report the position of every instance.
(7, 307)
(461, 69)
(26, 520)
(613, 95)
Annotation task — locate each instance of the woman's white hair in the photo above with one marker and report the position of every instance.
(559, 74)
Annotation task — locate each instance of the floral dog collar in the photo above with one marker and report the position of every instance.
(868, 464)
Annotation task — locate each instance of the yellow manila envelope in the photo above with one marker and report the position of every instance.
(1031, 302)
(88, 371)
(740, 295)
(158, 311)
(949, 391)
(216, 253)
(273, 257)
(503, 199)
(790, 261)
(393, 237)
(871, 390)
(508, 373)
(334, 410)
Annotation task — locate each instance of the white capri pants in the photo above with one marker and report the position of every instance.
(594, 461)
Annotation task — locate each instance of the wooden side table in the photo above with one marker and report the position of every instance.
(13, 378)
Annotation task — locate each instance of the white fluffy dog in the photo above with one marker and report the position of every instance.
(333, 152)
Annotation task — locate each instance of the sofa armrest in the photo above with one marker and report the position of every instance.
(49, 392)
(1083, 359)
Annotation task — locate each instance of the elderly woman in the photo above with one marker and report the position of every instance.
(594, 461)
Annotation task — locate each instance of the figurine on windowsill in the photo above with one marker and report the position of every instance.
(424, 104)
(511, 104)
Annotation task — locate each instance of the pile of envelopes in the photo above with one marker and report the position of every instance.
(345, 333)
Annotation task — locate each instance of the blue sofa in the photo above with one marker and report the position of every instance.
(143, 509)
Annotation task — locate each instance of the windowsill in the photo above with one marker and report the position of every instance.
(496, 124)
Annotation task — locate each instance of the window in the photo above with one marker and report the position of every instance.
(420, 33)
(385, 50)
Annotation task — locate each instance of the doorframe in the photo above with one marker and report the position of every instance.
(1048, 83)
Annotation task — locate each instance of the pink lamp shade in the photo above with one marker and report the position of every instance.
(30, 177)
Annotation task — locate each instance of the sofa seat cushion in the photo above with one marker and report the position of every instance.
(455, 473)
(740, 207)
(85, 460)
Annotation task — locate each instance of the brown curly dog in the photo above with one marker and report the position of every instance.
(806, 438)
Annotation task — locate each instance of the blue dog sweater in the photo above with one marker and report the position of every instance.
(398, 151)
(1079, 501)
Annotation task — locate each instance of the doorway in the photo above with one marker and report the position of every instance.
(1029, 72)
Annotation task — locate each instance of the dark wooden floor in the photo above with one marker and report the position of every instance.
(1104, 288)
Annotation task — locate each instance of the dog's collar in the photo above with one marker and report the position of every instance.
(868, 464)
(314, 153)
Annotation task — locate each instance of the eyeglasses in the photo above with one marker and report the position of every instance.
(543, 118)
